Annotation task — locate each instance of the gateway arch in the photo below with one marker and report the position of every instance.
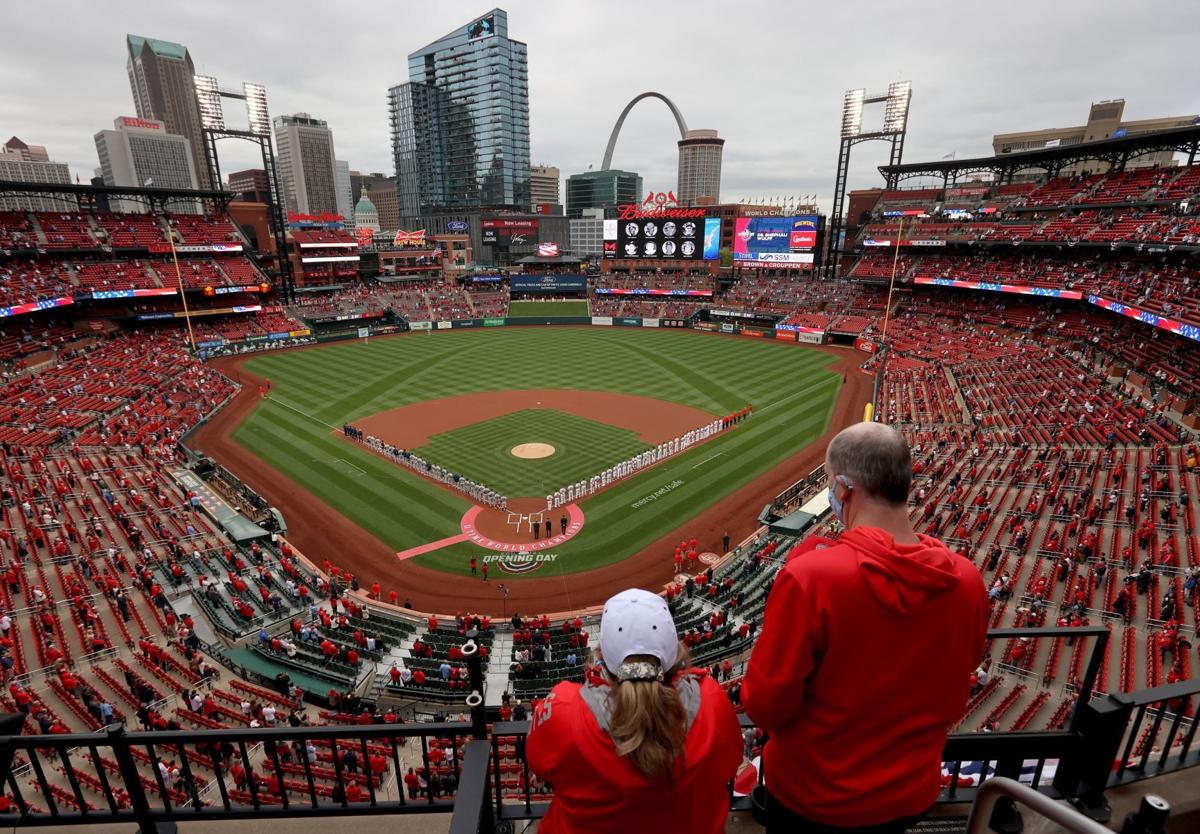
(616, 131)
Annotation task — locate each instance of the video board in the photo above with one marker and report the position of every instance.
(508, 232)
(776, 242)
(663, 238)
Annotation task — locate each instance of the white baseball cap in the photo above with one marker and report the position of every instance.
(637, 622)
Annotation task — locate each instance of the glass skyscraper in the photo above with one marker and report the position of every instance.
(460, 126)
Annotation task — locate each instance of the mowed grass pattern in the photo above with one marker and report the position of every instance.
(537, 309)
(315, 391)
(482, 453)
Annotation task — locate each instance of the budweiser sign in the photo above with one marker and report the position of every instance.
(634, 212)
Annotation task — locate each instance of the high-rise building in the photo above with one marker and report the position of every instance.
(700, 167)
(601, 190)
(1106, 120)
(345, 207)
(251, 185)
(460, 125)
(587, 233)
(382, 192)
(162, 78)
(544, 185)
(141, 153)
(305, 159)
(20, 162)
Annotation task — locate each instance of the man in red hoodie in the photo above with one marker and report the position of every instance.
(866, 653)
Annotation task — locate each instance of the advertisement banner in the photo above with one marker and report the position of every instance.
(104, 295)
(456, 226)
(649, 322)
(683, 323)
(420, 325)
(547, 283)
(988, 286)
(365, 236)
(785, 336)
(34, 306)
(712, 238)
(816, 338)
(728, 328)
(629, 322)
(444, 325)
(414, 239)
(644, 291)
(1188, 331)
(493, 322)
(603, 321)
(775, 240)
(865, 345)
(547, 250)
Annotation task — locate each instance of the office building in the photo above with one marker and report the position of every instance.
(20, 162)
(601, 190)
(700, 168)
(460, 125)
(142, 153)
(345, 207)
(250, 186)
(162, 78)
(587, 233)
(382, 192)
(544, 186)
(304, 157)
(1105, 121)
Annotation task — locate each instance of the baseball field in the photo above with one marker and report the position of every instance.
(475, 402)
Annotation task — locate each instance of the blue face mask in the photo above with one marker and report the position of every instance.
(836, 503)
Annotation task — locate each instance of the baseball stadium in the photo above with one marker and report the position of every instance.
(309, 515)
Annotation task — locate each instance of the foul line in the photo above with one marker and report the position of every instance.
(351, 465)
(707, 459)
(301, 413)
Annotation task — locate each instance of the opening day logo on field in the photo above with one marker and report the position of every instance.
(519, 562)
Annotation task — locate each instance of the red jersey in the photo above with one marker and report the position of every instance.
(863, 663)
(595, 790)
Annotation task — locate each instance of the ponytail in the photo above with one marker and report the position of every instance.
(647, 722)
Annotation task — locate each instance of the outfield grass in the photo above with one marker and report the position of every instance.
(550, 309)
(482, 453)
(314, 392)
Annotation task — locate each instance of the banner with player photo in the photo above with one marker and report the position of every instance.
(662, 238)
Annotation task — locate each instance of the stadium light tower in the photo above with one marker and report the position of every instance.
(895, 125)
(210, 96)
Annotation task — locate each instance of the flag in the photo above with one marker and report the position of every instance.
(950, 155)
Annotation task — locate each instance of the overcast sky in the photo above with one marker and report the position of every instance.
(769, 76)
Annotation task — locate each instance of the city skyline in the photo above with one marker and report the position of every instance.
(727, 70)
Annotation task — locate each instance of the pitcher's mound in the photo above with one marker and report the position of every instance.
(532, 451)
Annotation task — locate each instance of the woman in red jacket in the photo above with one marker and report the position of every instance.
(645, 743)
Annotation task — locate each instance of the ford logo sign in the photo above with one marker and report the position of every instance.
(456, 226)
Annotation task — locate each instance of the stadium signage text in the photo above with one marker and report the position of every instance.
(658, 493)
(323, 217)
(630, 211)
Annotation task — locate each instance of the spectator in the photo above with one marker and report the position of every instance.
(882, 598)
(663, 735)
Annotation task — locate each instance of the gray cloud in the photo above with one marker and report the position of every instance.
(768, 75)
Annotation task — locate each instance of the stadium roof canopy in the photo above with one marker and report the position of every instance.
(1115, 152)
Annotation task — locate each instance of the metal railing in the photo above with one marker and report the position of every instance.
(159, 778)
